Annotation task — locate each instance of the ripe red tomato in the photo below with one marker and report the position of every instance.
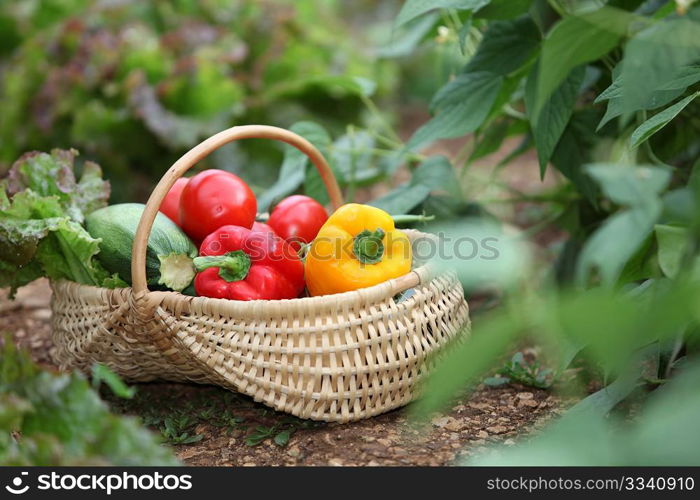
(261, 227)
(216, 198)
(297, 219)
(171, 203)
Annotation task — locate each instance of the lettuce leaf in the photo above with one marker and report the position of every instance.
(42, 207)
(49, 175)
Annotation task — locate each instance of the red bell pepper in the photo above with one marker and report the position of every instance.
(261, 227)
(239, 264)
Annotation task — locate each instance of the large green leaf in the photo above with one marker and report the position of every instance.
(463, 365)
(655, 56)
(503, 9)
(620, 236)
(549, 123)
(414, 8)
(668, 91)
(491, 139)
(574, 149)
(659, 121)
(462, 106)
(351, 156)
(577, 40)
(634, 186)
(433, 178)
(506, 46)
(680, 80)
(404, 40)
(294, 167)
(614, 243)
(403, 199)
(481, 253)
(673, 243)
(606, 399)
(68, 252)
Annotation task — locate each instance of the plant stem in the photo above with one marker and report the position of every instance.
(557, 8)
(233, 266)
(380, 118)
(350, 193)
(410, 218)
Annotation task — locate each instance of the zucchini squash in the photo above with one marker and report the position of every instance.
(170, 251)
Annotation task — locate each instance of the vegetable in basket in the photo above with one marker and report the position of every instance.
(297, 219)
(42, 208)
(169, 254)
(261, 227)
(240, 264)
(171, 204)
(215, 198)
(357, 247)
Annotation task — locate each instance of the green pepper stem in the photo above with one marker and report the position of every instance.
(409, 218)
(233, 266)
(368, 246)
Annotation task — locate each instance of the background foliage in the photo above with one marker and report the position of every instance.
(132, 85)
(63, 421)
(605, 93)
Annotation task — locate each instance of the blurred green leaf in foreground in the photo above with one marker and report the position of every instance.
(637, 337)
(58, 419)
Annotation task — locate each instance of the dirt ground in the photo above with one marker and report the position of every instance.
(210, 426)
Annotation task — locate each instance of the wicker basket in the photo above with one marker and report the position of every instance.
(338, 358)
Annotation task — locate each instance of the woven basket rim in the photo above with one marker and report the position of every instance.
(374, 293)
(353, 294)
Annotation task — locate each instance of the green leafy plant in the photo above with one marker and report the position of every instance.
(179, 426)
(42, 208)
(611, 83)
(134, 85)
(359, 158)
(102, 374)
(280, 432)
(58, 419)
(519, 370)
(605, 93)
(262, 433)
(177, 429)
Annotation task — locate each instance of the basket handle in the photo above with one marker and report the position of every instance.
(202, 150)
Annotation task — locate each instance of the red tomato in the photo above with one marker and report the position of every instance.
(261, 227)
(297, 219)
(171, 203)
(216, 198)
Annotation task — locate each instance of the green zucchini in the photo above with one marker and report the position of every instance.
(170, 251)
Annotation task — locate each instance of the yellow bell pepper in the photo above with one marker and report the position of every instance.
(357, 247)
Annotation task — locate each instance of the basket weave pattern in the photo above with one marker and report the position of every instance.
(346, 357)
(338, 357)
